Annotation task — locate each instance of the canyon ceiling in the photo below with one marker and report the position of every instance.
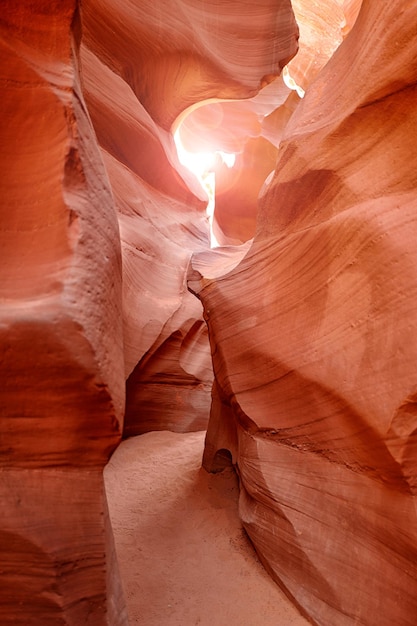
(293, 341)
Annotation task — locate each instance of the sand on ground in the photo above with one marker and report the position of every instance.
(184, 558)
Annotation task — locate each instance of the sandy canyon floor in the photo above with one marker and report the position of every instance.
(184, 558)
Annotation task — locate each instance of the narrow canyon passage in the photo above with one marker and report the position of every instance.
(283, 319)
(184, 558)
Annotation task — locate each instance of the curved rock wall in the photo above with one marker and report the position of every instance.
(311, 326)
(161, 222)
(252, 129)
(313, 339)
(177, 53)
(98, 227)
(61, 366)
(142, 65)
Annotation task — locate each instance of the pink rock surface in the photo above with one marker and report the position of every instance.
(161, 222)
(58, 563)
(161, 207)
(182, 52)
(170, 389)
(61, 366)
(253, 128)
(98, 225)
(311, 326)
(323, 26)
(314, 362)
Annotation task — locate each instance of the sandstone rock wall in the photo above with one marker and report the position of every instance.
(311, 325)
(313, 339)
(98, 224)
(142, 65)
(62, 384)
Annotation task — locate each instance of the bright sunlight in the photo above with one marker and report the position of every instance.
(203, 166)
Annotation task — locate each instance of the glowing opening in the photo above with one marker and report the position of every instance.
(199, 163)
(290, 82)
(203, 166)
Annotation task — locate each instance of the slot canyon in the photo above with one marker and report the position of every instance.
(208, 313)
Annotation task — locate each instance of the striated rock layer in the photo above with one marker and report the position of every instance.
(311, 326)
(252, 129)
(161, 223)
(98, 224)
(143, 64)
(313, 339)
(61, 366)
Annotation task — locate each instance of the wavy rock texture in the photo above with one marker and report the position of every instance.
(237, 127)
(142, 65)
(62, 390)
(80, 312)
(175, 54)
(161, 222)
(311, 328)
(322, 29)
(314, 362)
(253, 128)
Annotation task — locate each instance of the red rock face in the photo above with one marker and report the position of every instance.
(161, 223)
(313, 339)
(62, 391)
(170, 388)
(253, 128)
(180, 53)
(97, 229)
(161, 217)
(311, 325)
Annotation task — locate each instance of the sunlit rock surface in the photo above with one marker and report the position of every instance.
(142, 65)
(253, 128)
(98, 225)
(175, 54)
(323, 26)
(161, 222)
(313, 339)
(311, 326)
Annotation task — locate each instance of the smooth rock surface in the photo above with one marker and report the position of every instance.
(312, 325)
(315, 385)
(61, 364)
(252, 129)
(142, 65)
(58, 563)
(98, 224)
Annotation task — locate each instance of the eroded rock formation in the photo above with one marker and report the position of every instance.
(62, 391)
(315, 393)
(143, 65)
(311, 325)
(88, 162)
